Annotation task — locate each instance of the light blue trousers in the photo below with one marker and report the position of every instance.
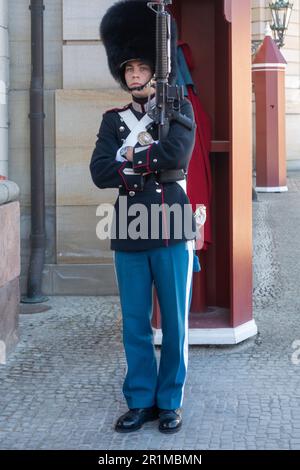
(170, 269)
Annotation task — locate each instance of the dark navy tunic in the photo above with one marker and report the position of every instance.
(173, 153)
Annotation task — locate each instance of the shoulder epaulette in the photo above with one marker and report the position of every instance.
(118, 109)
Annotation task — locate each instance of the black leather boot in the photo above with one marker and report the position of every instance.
(170, 421)
(135, 418)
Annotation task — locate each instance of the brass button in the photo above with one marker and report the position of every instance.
(122, 129)
(131, 193)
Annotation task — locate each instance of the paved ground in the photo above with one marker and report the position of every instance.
(61, 388)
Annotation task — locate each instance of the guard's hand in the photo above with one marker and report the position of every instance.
(129, 154)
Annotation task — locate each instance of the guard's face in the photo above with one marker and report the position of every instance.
(137, 74)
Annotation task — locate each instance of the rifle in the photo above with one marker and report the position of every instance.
(168, 97)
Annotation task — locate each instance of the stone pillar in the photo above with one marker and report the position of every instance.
(4, 71)
(9, 212)
(9, 267)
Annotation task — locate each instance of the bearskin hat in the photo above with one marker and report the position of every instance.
(128, 32)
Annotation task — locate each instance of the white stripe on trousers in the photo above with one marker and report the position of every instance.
(190, 246)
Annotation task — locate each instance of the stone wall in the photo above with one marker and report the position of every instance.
(88, 90)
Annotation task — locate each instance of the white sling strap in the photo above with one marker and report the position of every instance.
(134, 125)
(129, 118)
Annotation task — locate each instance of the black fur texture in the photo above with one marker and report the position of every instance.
(128, 31)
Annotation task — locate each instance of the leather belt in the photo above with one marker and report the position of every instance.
(166, 176)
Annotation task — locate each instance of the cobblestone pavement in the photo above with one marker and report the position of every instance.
(61, 388)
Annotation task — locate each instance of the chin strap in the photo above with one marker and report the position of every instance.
(149, 84)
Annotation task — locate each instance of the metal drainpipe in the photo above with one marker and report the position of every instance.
(36, 116)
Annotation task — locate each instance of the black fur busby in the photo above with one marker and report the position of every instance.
(128, 31)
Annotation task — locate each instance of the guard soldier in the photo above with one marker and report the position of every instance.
(129, 156)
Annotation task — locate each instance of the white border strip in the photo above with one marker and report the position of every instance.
(271, 189)
(267, 65)
(216, 335)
